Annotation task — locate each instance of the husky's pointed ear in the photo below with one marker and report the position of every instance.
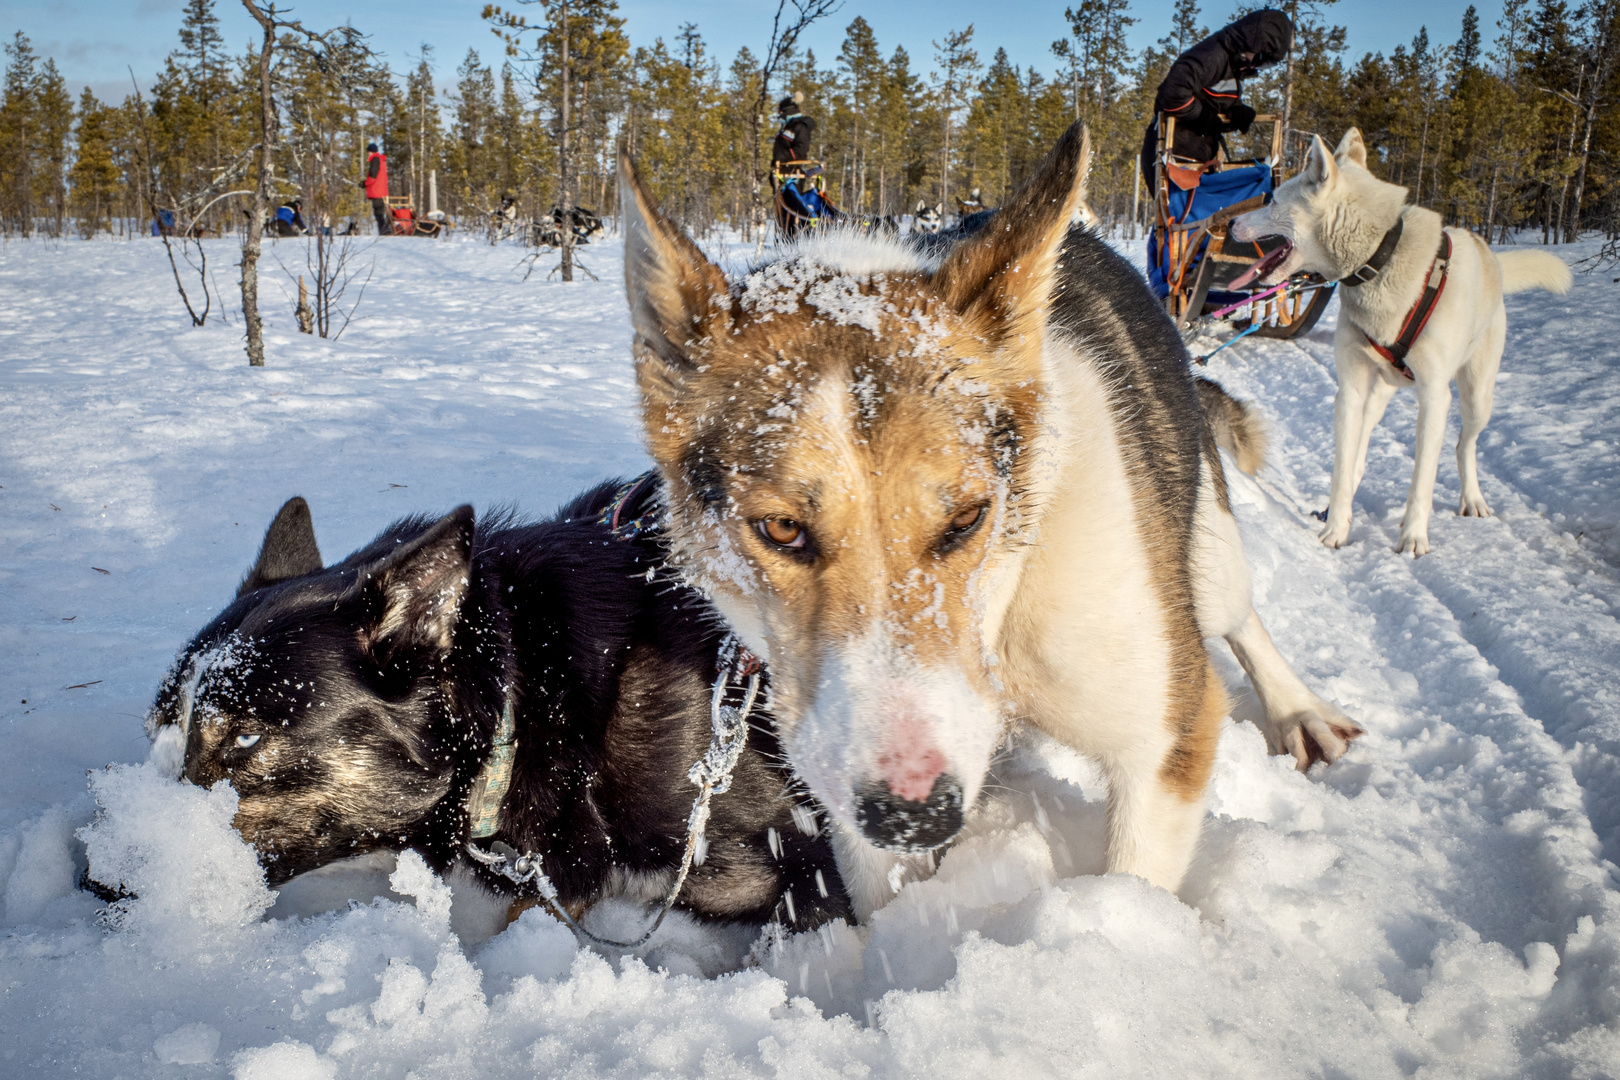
(414, 593)
(288, 550)
(1001, 278)
(1320, 168)
(1352, 149)
(678, 298)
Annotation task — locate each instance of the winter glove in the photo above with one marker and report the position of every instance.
(1241, 118)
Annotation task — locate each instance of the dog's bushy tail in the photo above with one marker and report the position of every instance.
(1237, 427)
(1523, 270)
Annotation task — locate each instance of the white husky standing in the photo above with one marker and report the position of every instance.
(1408, 314)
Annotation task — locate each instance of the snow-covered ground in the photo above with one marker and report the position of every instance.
(1443, 902)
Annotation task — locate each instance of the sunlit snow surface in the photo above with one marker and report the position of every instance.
(1439, 903)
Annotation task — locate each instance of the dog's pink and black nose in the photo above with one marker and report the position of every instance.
(913, 804)
(910, 826)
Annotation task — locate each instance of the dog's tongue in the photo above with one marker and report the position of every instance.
(1263, 267)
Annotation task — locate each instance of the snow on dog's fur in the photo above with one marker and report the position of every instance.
(941, 494)
(1335, 213)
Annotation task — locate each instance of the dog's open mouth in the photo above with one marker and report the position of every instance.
(1264, 271)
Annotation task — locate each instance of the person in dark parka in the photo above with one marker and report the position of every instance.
(792, 143)
(1203, 89)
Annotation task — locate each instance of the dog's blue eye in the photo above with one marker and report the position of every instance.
(245, 741)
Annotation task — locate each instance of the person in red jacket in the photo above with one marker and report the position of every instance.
(376, 185)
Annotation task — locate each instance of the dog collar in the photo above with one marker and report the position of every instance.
(489, 789)
(1370, 269)
(632, 495)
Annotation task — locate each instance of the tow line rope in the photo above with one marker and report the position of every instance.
(711, 774)
(1253, 326)
(1233, 340)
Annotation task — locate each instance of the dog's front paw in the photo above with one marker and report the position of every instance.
(1335, 534)
(1414, 539)
(1473, 506)
(1319, 733)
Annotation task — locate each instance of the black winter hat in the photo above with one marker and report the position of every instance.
(371, 148)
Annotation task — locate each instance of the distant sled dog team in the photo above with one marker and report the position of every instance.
(908, 498)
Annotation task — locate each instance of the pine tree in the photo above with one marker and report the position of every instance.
(957, 64)
(862, 66)
(997, 132)
(94, 177)
(1552, 65)
(1465, 55)
(1185, 28)
(1105, 62)
(53, 112)
(901, 140)
(423, 130)
(199, 123)
(470, 163)
(19, 135)
(1601, 46)
(204, 51)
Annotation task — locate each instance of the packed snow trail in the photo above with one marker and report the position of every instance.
(1441, 903)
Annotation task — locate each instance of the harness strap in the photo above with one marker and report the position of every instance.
(711, 775)
(1374, 265)
(1418, 317)
(738, 672)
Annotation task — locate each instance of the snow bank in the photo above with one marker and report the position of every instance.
(1437, 904)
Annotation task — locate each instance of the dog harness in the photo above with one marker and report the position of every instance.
(711, 775)
(1418, 317)
(739, 674)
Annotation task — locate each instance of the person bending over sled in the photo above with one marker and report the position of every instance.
(1203, 90)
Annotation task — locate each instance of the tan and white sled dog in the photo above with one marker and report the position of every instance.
(1337, 216)
(943, 494)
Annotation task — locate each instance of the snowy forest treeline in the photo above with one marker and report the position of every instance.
(1500, 131)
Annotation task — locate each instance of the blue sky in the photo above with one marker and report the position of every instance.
(95, 41)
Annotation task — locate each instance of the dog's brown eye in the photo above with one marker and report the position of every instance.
(783, 532)
(966, 519)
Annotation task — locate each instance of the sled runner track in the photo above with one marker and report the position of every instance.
(1537, 607)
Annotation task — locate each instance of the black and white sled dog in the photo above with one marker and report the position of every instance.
(523, 699)
(1421, 306)
(928, 219)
